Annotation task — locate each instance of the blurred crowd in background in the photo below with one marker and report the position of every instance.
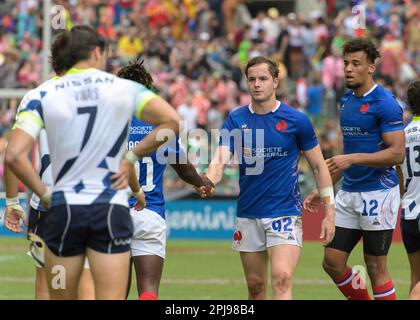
(196, 51)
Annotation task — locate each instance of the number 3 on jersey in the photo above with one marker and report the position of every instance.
(413, 161)
(150, 186)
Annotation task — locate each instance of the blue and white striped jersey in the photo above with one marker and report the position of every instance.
(43, 152)
(411, 171)
(86, 115)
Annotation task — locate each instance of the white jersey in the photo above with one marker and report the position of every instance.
(43, 153)
(411, 171)
(86, 115)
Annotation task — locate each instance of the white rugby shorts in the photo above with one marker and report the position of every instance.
(253, 235)
(370, 211)
(150, 231)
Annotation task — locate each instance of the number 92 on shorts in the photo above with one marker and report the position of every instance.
(255, 234)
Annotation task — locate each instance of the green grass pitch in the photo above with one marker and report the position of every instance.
(205, 270)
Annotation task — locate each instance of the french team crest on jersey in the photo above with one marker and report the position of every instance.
(281, 125)
(364, 108)
(244, 127)
(291, 237)
(237, 236)
(376, 222)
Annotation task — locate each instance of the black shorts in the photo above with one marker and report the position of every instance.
(375, 243)
(36, 225)
(36, 222)
(410, 230)
(70, 229)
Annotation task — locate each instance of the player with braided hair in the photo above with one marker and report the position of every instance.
(136, 71)
(149, 239)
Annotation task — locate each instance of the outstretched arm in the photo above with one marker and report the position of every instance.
(188, 173)
(221, 157)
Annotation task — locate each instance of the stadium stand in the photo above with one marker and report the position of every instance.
(196, 49)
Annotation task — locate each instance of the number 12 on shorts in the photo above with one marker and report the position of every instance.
(282, 225)
(373, 206)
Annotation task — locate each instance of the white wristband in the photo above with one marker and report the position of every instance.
(131, 157)
(10, 202)
(327, 195)
(13, 203)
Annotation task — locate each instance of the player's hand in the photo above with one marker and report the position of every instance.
(121, 178)
(339, 163)
(312, 202)
(140, 200)
(328, 225)
(46, 203)
(12, 218)
(206, 189)
(46, 198)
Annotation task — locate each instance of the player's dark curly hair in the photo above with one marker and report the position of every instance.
(136, 71)
(413, 96)
(362, 44)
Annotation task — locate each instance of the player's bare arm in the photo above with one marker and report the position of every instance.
(126, 176)
(221, 157)
(393, 154)
(325, 187)
(188, 173)
(159, 113)
(400, 176)
(17, 159)
(14, 212)
(313, 200)
(136, 190)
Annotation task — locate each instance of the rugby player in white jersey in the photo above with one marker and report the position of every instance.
(410, 189)
(86, 114)
(35, 219)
